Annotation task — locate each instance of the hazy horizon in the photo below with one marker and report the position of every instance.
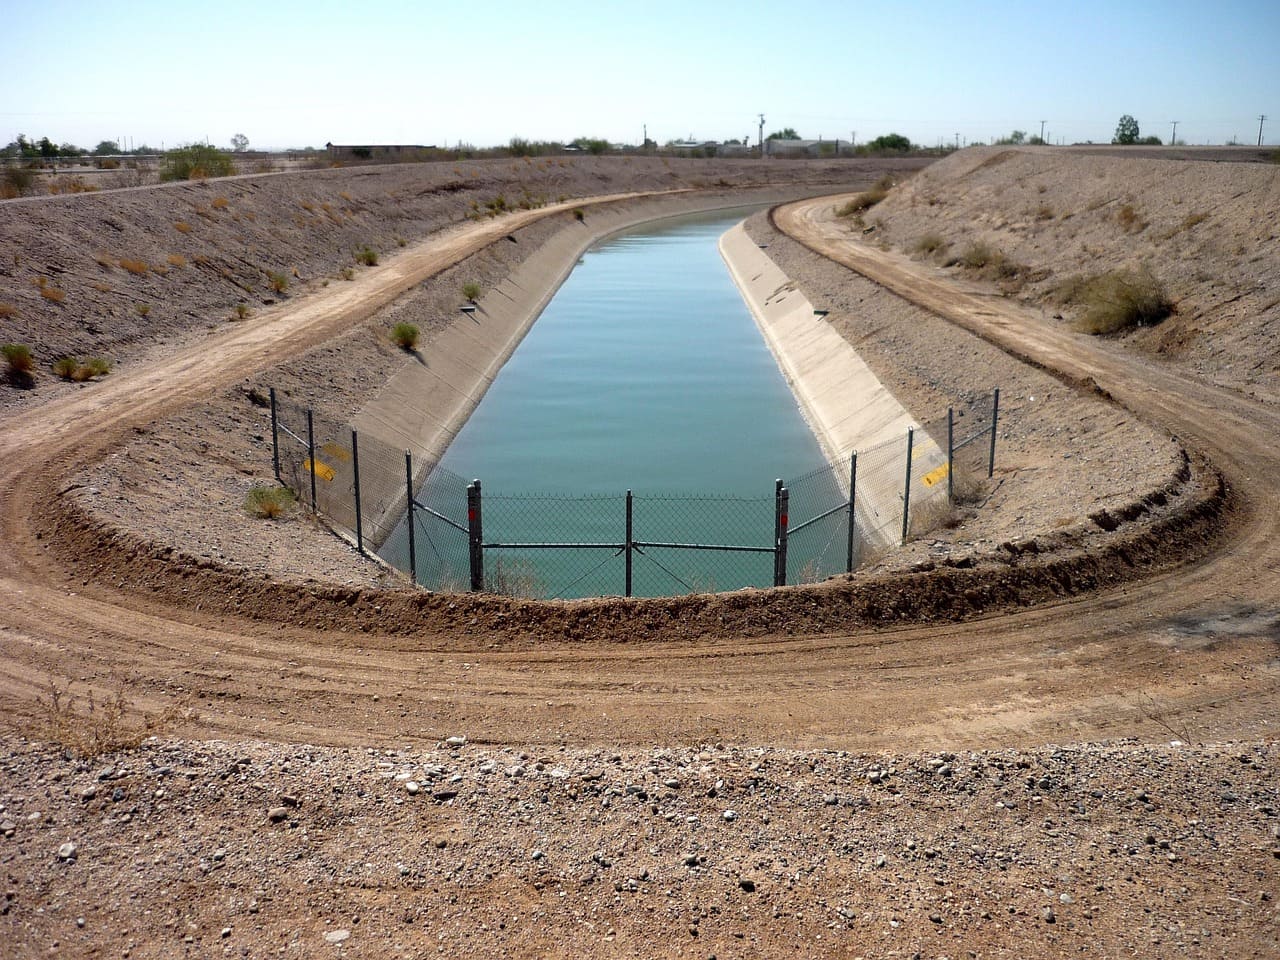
(295, 75)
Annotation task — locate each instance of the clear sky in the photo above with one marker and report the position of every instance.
(303, 73)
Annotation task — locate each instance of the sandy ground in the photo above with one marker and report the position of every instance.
(731, 776)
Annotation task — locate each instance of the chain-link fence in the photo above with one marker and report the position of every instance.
(451, 534)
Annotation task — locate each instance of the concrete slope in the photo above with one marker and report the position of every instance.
(848, 407)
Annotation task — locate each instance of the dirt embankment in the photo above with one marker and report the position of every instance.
(1209, 232)
(126, 273)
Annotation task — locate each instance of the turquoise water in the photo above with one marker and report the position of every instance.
(646, 372)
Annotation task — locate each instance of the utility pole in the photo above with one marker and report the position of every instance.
(957, 139)
(1261, 118)
(761, 143)
(1042, 123)
(645, 142)
(1173, 140)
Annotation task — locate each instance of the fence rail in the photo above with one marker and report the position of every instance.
(450, 534)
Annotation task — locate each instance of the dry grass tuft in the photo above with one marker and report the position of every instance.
(142, 309)
(177, 260)
(7, 310)
(136, 267)
(268, 503)
(18, 357)
(1117, 300)
(89, 728)
(220, 203)
(1129, 221)
(182, 226)
(931, 244)
(52, 294)
(405, 336)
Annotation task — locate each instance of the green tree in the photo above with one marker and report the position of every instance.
(1126, 130)
(786, 133)
(239, 143)
(895, 142)
(105, 148)
(593, 145)
(195, 162)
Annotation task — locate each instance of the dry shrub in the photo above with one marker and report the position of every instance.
(177, 260)
(70, 185)
(7, 310)
(987, 262)
(367, 256)
(1128, 219)
(89, 728)
(18, 357)
(105, 261)
(182, 226)
(931, 244)
(268, 503)
(405, 336)
(1044, 212)
(65, 367)
(52, 294)
(1121, 300)
(279, 282)
(220, 203)
(142, 309)
(868, 198)
(136, 267)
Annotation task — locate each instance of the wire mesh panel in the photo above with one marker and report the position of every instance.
(702, 544)
(440, 546)
(818, 538)
(554, 547)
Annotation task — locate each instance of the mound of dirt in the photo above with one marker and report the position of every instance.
(1209, 232)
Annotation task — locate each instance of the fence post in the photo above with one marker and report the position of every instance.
(475, 536)
(995, 416)
(311, 453)
(355, 467)
(275, 436)
(951, 448)
(781, 498)
(853, 518)
(408, 489)
(906, 490)
(782, 541)
(628, 547)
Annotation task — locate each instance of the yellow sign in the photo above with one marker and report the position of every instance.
(321, 470)
(933, 476)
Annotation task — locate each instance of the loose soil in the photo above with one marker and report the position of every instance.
(703, 776)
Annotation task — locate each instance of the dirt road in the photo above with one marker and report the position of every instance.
(1192, 650)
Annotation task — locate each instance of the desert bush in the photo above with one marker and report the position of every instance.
(471, 291)
(367, 256)
(278, 281)
(347, 273)
(268, 503)
(52, 294)
(930, 244)
(1128, 219)
(177, 260)
(195, 161)
(91, 729)
(868, 198)
(17, 181)
(986, 262)
(182, 226)
(7, 310)
(142, 309)
(136, 267)
(401, 242)
(97, 367)
(405, 336)
(1044, 212)
(220, 203)
(65, 367)
(578, 214)
(17, 356)
(1121, 300)
(242, 311)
